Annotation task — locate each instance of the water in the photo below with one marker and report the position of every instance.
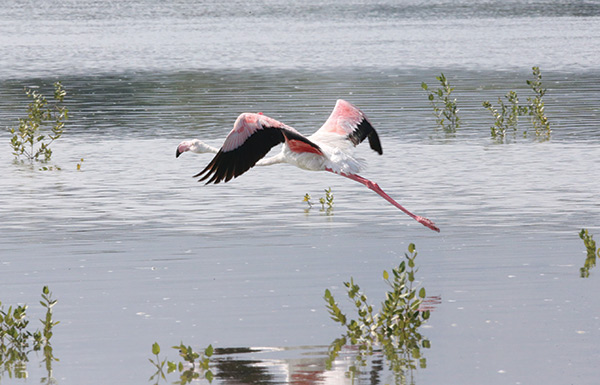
(136, 251)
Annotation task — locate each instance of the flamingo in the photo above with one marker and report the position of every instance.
(328, 149)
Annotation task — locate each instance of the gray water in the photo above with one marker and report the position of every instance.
(137, 251)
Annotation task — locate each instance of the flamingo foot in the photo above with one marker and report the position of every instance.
(427, 223)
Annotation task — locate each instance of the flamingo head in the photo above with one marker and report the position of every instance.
(194, 145)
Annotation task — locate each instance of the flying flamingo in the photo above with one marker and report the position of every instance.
(328, 149)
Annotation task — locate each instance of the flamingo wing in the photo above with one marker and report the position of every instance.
(347, 120)
(252, 137)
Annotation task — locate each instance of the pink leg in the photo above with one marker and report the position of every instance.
(373, 186)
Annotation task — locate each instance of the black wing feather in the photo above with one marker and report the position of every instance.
(231, 164)
(365, 130)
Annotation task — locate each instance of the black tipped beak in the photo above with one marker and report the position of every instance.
(177, 153)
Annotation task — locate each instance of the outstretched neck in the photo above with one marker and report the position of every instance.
(279, 158)
(206, 149)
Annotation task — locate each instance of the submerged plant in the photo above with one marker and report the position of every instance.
(44, 124)
(444, 107)
(590, 260)
(395, 327)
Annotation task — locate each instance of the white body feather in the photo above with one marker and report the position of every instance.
(337, 156)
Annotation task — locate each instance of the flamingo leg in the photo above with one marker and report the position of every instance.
(373, 186)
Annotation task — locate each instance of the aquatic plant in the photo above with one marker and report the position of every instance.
(158, 363)
(444, 107)
(191, 360)
(590, 259)
(506, 116)
(536, 106)
(395, 327)
(327, 200)
(307, 199)
(16, 341)
(44, 124)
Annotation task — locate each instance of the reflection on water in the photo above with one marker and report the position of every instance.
(309, 365)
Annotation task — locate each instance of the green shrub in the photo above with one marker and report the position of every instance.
(44, 124)
(506, 116)
(395, 327)
(444, 107)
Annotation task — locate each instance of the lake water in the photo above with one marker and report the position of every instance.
(137, 251)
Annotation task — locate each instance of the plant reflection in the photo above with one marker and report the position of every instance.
(17, 342)
(401, 360)
(341, 364)
(590, 259)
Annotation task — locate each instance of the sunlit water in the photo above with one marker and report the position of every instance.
(137, 251)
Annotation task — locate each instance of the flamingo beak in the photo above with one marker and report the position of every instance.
(183, 147)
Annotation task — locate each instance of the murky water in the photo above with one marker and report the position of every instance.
(137, 251)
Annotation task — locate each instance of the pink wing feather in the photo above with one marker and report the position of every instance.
(347, 120)
(245, 126)
(251, 138)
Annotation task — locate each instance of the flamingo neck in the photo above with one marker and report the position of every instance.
(205, 149)
(279, 158)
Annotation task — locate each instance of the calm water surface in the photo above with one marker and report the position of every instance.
(137, 251)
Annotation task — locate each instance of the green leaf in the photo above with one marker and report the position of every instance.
(386, 275)
(422, 293)
(155, 348)
(209, 351)
(411, 248)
